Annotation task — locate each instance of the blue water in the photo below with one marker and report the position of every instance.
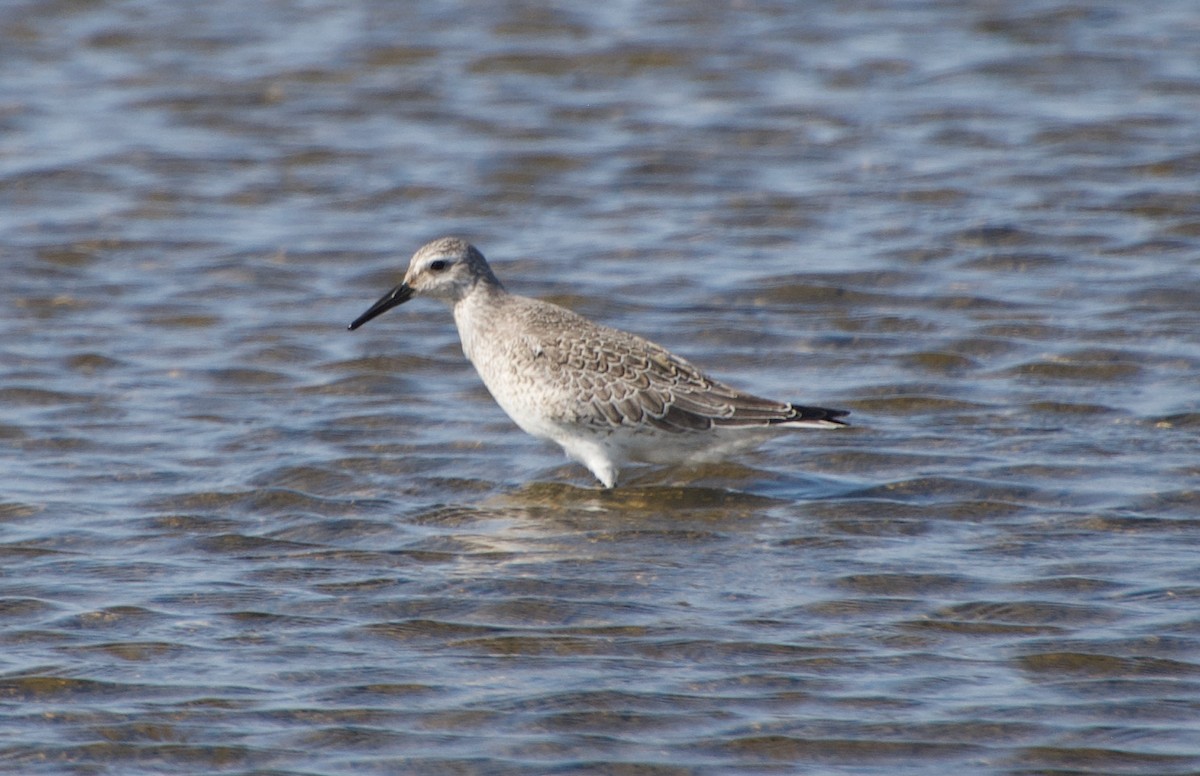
(237, 538)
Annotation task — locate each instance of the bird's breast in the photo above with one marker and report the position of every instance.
(515, 366)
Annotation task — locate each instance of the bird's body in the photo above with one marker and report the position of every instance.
(606, 396)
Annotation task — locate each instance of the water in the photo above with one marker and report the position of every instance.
(238, 539)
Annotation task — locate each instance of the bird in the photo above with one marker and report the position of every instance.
(606, 396)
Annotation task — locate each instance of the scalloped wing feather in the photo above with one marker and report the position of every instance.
(625, 380)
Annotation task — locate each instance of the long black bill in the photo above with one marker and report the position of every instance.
(397, 296)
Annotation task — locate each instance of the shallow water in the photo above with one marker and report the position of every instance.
(238, 539)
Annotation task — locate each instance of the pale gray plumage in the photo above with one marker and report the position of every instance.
(605, 395)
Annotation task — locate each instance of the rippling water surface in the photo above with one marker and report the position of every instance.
(237, 538)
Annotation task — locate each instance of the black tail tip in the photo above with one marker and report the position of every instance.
(821, 413)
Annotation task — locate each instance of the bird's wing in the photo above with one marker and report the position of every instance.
(620, 379)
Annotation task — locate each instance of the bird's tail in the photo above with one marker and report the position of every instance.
(811, 417)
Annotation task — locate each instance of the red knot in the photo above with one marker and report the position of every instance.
(606, 396)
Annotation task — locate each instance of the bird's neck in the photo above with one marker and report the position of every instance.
(475, 315)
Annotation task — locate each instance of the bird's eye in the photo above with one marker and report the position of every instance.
(437, 266)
